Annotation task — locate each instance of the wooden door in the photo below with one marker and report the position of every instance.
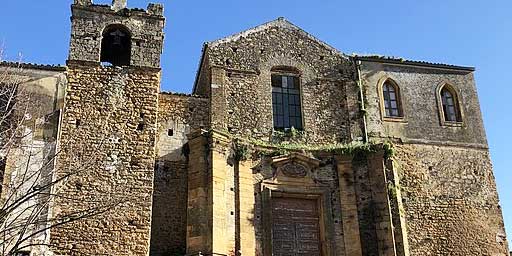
(295, 227)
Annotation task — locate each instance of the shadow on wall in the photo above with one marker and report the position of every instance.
(169, 213)
(179, 115)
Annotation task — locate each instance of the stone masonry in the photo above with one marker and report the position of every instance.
(144, 172)
(446, 172)
(178, 116)
(108, 135)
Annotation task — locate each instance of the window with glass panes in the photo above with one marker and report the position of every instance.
(391, 100)
(450, 108)
(286, 104)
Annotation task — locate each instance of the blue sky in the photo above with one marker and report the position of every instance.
(462, 32)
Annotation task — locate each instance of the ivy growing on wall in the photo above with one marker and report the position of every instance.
(246, 148)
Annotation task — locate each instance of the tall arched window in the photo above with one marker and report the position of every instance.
(391, 100)
(286, 102)
(116, 46)
(451, 110)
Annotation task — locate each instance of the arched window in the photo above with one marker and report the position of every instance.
(451, 110)
(286, 102)
(116, 46)
(391, 100)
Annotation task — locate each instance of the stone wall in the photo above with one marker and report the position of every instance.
(200, 202)
(106, 161)
(240, 85)
(202, 85)
(26, 161)
(445, 172)
(229, 198)
(418, 91)
(178, 116)
(169, 212)
(450, 201)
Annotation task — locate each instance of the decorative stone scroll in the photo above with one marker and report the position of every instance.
(294, 169)
(294, 165)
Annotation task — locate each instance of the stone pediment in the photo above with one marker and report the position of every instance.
(295, 157)
(294, 165)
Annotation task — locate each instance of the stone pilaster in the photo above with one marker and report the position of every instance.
(247, 208)
(223, 197)
(218, 108)
(211, 208)
(383, 221)
(348, 201)
(397, 210)
(199, 210)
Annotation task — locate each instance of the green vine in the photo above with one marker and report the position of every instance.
(392, 189)
(242, 150)
(291, 135)
(389, 150)
(354, 148)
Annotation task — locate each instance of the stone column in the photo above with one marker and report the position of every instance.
(349, 219)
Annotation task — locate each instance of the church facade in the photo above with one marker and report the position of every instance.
(286, 146)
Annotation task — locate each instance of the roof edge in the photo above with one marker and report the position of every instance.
(400, 61)
(201, 61)
(182, 94)
(23, 65)
(279, 22)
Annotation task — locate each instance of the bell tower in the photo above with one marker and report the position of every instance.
(107, 135)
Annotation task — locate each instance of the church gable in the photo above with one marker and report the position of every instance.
(249, 67)
(278, 42)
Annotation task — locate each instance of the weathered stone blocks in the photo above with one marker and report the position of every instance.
(107, 159)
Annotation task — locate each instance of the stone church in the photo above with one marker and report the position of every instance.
(286, 147)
